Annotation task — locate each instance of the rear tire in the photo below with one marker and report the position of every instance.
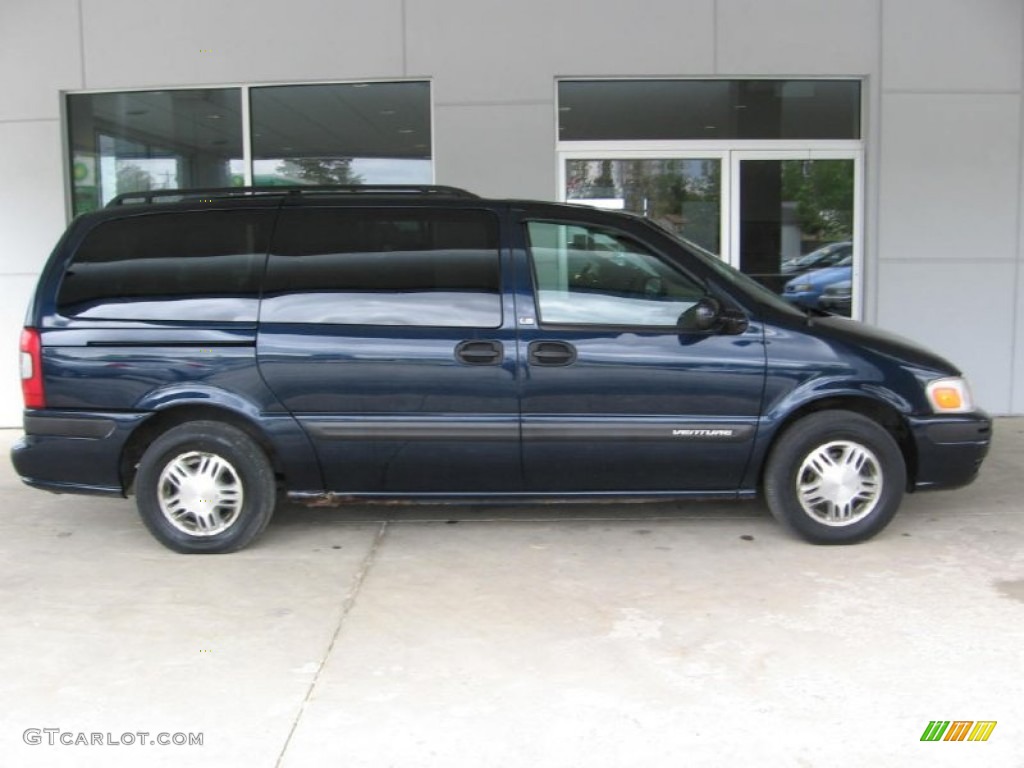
(205, 487)
(835, 477)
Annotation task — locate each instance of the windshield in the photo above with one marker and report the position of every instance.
(730, 275)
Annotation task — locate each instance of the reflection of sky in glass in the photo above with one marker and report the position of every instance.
(384, 170)
(214, 308)
(372, 170)
(603, 309)
(461, 309)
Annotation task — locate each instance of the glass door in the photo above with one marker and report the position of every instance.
(789, 218)
(796, 225)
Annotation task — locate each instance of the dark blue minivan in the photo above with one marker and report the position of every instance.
(213, 351)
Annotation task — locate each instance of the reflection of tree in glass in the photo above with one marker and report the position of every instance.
(589, 179)
(320, 170)
(681, 194)
(131, 178)
(823, 193)
(604, 184)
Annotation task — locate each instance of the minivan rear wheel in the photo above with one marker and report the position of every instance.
(205, 487)
(835, 477)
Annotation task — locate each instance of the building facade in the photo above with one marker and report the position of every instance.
(763, 130)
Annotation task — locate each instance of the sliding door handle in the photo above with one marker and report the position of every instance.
(474, 352)
(552, 353)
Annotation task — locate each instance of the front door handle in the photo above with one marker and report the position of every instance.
(474, 352)
(552, 353)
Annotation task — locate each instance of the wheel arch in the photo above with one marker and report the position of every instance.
(182, 413)
(882, 413)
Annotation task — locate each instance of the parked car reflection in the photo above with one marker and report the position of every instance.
(838, 297)
(827, 256)
(806, 290)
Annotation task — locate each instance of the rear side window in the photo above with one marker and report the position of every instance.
(362, 266)
(191, 266)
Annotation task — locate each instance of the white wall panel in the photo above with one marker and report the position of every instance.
(31, 220)
(506, 151)
(508, 51)
(187, 42)
(1017, 346)
(963, 311)
(798, 37)
(952, 45)
(39, 56)
(31, 197)
(949, 176)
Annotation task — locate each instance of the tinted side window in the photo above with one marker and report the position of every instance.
(201, 265)
(384, 267)
(590, 276)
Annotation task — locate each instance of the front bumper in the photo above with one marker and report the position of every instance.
(950, 449)
(74, 452)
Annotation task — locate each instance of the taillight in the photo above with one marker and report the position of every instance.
(32, 369)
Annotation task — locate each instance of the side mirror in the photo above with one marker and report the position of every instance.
(708, 314)
(733, 322)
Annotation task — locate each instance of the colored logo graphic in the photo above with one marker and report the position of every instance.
(958, 730)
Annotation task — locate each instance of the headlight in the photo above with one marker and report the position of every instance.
(800, 288)
(951, 395)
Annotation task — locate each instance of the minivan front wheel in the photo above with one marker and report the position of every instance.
(835, 477)
(205, 487)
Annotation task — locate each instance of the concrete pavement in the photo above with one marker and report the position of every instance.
(626, 635)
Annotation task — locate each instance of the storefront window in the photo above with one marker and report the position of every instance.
(355, 133)
(362, 133)
(144, 140)
(764, 173)
(669, 110)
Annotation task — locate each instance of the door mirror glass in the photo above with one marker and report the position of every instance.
(709, 314)
(706, 313)
(703, 316)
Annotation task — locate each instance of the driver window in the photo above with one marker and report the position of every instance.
(591, 276)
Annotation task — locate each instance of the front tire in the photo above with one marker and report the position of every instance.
(835, 477)
(205, 487)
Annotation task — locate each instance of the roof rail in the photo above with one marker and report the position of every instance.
(176, 195)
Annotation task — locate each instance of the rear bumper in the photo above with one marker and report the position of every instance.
(74, 452)
(950, 449)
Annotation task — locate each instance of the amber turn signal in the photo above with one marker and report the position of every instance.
(950, 396)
